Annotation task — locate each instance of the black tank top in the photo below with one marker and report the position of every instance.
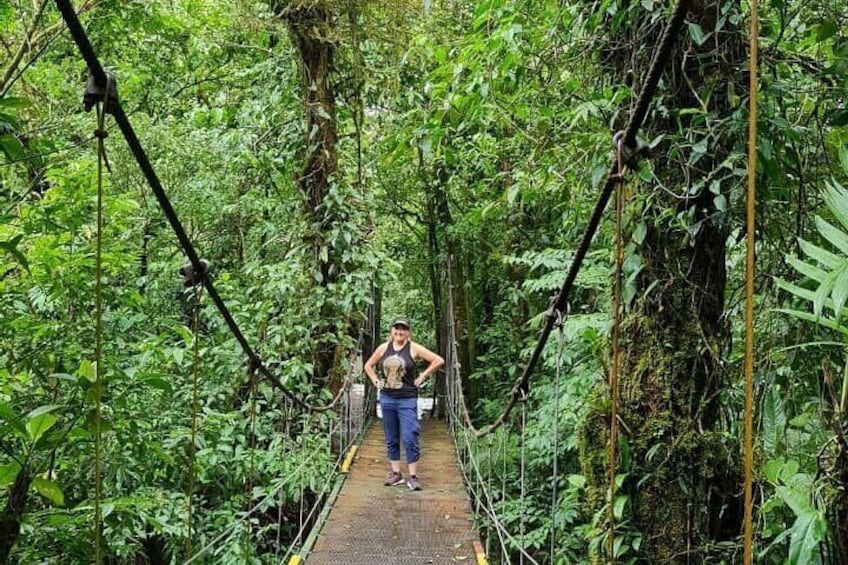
(399, 372)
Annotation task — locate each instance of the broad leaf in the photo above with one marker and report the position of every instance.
(8, 474)
(774, 421)
(11, 247)
(808, 531)
(39, 425)
(42, 410)
(618, 507)
(49, 490)
(7, 414)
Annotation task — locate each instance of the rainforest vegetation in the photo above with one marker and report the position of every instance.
(338, 161)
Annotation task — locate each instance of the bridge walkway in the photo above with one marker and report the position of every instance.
(372, 524)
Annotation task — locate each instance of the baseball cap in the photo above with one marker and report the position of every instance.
(401, 321)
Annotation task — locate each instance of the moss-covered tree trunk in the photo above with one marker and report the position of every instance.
(312, 31)
(684, 473)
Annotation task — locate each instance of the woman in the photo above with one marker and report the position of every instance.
(399, 397)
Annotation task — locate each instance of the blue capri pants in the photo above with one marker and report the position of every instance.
(400, 423)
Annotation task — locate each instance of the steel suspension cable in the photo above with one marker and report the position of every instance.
(749, 283)
(628, 139)
(100, 79)
(197, 294)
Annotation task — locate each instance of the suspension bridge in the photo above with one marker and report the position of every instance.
(355, 519)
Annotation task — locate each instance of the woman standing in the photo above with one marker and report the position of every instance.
(399, 397)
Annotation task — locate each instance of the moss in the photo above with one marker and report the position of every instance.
(592, 439)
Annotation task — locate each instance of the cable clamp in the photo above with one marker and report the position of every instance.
(192, 276)
(627, 155)
(95, 93)
(254, 362)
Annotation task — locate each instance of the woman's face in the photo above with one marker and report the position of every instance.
(400, 333)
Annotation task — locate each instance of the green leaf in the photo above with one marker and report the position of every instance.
(39, 425)
(11, 247)
(843, 157)
(79, 433)
(624, 453)
(837, 237)
(577, 481)
(697, 34)
(158, 383)
(807, 269)
(774, 421)
(7, 414)
(797, 499)
(87, 371)
(823, 256)
(808, 531)
(640, 232)
(771, 470)
(827, 323)
(11, 147)
(8, 474)
(826, 30)
(618, 507)
(49, 490)
(836, 198)
(720, 202)
(795, 290)
(822, 293)
(840, 291)
(13, 102)
(42, 410)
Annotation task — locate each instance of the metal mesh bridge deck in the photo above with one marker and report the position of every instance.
(374, 524)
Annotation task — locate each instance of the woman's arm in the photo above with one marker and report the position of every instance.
(434, 359)
(372, 362)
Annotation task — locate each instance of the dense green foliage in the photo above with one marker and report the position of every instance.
(475, 132)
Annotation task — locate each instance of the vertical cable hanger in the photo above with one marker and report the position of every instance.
(560, 325)
(102, 107)
(197, 294)
(749, 284)
(616, 346)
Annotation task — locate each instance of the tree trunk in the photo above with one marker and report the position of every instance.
(311, 29)
(10, 521)
(684, 475)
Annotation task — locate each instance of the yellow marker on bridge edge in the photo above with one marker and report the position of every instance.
(295, 560)
(349, 459)
(481, 555)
